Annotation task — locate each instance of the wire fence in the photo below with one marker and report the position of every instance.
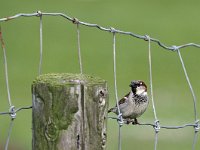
(156, 124)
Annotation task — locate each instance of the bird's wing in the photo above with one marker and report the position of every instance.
(121, 101)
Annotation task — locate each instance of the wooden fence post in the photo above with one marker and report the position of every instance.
(69, 112)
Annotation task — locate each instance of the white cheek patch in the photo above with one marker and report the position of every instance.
(140, 90)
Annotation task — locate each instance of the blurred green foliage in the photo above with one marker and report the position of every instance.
(173, 22)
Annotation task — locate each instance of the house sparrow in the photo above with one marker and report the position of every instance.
(133, 104)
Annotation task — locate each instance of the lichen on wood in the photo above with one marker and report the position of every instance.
(69, 112)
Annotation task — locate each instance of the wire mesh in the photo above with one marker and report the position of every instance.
(156, 125)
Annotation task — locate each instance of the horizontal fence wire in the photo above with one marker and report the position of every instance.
(195, 125)
(156, 125)
(39, 13)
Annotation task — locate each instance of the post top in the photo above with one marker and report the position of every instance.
(67, 78)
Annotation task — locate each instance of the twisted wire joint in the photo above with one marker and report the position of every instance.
(12, 112)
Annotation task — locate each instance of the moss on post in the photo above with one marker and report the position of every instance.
(69, 112)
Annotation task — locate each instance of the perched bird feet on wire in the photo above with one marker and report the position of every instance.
(128, 121)
(132, 121)
(135, 122)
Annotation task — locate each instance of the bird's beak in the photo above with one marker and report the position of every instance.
(132, 85)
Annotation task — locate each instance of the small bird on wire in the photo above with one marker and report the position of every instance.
(133, 104)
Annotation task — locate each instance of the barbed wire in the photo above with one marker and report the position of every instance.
(156, 125)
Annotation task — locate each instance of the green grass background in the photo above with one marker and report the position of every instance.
(173, 22)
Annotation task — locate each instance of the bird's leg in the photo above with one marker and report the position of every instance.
(128, 120)
(135, 121)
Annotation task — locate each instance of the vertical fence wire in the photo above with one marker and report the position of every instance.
(150, 78)
(120, 119)
(156, 127)
(8, 90)
(5, 67)
(155, 140)
(9, 133)
(194, 140)
(188, 81)
(41, 44)
(79, 49)
(193, 95)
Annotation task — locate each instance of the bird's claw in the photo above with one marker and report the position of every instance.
(128, 121)
(135, 122)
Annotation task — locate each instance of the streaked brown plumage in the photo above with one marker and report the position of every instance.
(133, 104)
